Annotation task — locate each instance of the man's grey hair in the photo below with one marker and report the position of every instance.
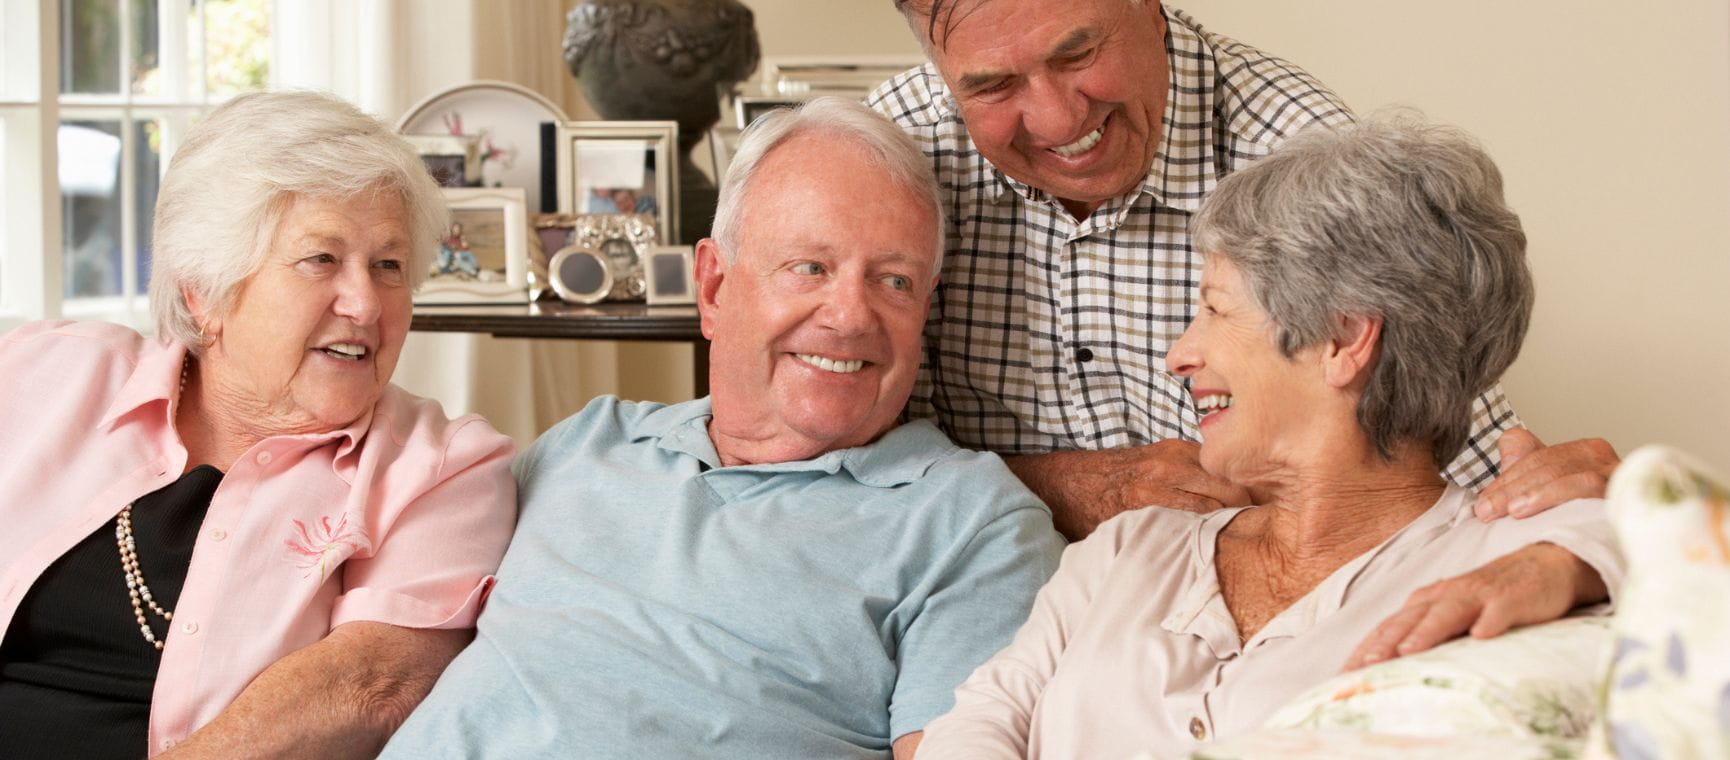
(1391, 218)
(889, 148)
(228, 185)
(941, 14)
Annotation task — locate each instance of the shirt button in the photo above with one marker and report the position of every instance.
(1084, 354)
(168, 744)
(218, 534)
(264, 457)
(189, 628)
(1196, 729)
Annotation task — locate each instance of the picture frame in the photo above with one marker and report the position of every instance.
(625, 240)
(483, 257)
(723, 143)
(602, 164)
(453, 160)
(552, 234)
(507, 120)
(670, 276)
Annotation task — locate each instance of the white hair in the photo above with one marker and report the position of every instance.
(230, 182)
(885, 145)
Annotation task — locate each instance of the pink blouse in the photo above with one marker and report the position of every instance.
(399, 518)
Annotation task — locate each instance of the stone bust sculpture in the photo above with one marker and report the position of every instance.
(664, 60)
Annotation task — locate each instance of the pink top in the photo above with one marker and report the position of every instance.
(1130, 647)
(399, 518)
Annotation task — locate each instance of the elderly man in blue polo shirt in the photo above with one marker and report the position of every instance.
(778, 570)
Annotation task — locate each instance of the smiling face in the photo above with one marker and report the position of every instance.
(1260, 410)
(1067, 96)
(815, 325)
(314, 334)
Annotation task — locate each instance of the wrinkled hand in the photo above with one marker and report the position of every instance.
(1536, 584)
(1536, 477)
(1086, 488)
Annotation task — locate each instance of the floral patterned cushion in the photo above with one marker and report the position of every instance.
(1525, 684)
(1667, 693)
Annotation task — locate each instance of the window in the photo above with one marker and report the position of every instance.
(109, 87)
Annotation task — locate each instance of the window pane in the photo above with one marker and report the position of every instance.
(90, 207)
(90, 46)
(146, 49)
(237, 34)
(147, 173)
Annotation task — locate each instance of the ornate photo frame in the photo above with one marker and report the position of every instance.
(603, 164)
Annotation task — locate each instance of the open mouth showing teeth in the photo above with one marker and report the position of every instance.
(347, 351)
(832, 365)
(1209, 404)
(1080, 146)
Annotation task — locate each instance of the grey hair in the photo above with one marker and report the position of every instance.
(932, 10)
(1392, 218)
(884, 143)
(227, 186)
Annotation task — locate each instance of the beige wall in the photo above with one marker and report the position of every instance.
(1612, 124)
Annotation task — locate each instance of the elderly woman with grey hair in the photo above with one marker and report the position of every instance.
(1359, 289)
(237, 538)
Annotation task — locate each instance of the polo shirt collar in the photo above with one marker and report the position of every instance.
(900, 456)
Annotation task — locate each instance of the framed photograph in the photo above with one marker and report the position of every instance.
(669, 276)
(484, 256)
(620, 167)
(723, 143)
(453, 160)
(746, 108)
(552, 234)
(624, 241)
(505, 120)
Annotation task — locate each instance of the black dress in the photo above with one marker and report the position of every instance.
(76, 675)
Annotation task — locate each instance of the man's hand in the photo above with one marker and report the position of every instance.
(1536, 477)
(1086, 488)
(1536, 584)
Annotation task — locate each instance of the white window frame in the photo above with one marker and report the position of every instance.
(31, 109)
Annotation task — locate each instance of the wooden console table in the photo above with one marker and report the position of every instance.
(554, 319)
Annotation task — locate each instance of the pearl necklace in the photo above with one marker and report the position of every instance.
(135, 585)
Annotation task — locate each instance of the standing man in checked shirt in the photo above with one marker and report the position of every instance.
(1073, 139)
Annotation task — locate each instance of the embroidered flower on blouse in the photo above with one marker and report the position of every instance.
(324, 545)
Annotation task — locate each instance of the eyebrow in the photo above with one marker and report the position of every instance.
(1068, 46)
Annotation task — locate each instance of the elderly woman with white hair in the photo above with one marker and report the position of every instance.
(237, 538)
(1358, 289)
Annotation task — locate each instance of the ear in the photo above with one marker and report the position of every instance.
(209, 326)
(711, 270)
(1346, 358)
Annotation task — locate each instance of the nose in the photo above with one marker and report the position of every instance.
(1053, 111)
(357, 296)
(847, 307)
(1182, 359)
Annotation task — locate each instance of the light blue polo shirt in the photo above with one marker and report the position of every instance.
(656, 604)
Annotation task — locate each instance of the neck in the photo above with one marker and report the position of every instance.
(1330, 511)
(216, 423)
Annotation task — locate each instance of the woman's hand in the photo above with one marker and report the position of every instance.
(1536, 584)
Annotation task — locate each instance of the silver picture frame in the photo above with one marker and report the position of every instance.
(602, 164)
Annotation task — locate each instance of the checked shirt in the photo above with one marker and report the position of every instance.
(1050, 333)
